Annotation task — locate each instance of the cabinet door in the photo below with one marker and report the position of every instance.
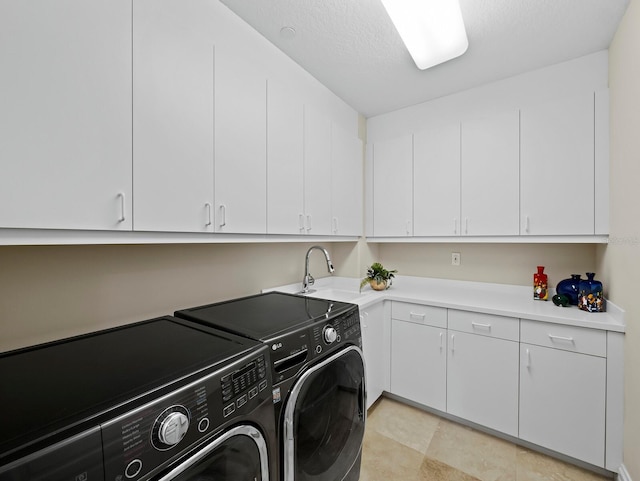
(482, 381)
(490, 175)
(372, 325)
(285, 187)
(562, 401)
(173, 116)
(346, 183)
(557, 171)
(392, 187)
(65, 114)
(317, 172)
(436, 181)
(419, 363)
(240, 144)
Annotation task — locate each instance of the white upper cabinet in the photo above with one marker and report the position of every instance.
(346, 182)
(601, 159)
(393, 187)
(285, 153)
(65, 114)
(436, 181)
(490, 175)
(173, 114)
(317, 172)
(557, 177)
(240, 144)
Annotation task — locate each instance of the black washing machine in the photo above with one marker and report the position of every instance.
(164, 399)
(318, 377)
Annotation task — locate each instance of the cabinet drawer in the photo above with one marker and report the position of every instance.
(485, 324)
(567, 338)
(427, 315)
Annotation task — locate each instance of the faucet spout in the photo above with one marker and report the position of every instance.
(308, 279)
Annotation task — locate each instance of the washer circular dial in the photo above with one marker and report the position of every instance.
(170, 427)
(329, 334)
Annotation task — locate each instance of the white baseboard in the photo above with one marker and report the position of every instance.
(623, 474)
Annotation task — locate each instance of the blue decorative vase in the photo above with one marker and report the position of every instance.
(590, 295)
(569, 288)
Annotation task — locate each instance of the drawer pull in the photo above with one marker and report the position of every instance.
(560, 338)
(453, 342)
(415, 314)
(484, 326)
(528, 358)
(441, 341)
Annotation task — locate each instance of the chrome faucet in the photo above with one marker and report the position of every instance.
(308, 278)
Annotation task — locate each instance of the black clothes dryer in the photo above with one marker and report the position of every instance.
(319, 377)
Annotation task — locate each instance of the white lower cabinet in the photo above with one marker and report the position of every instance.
(482, 380)
(544, 383)
(419, 363)
(482, 369)
(563, 393)
(373, 346)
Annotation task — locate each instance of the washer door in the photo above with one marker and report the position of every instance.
(324, 419)
(239, 454)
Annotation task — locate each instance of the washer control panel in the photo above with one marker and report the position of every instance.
(336, 331)
(137, 443)
(290, 352)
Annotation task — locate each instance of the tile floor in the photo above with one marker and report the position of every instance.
(403, 443)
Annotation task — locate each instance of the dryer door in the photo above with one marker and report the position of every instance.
(239, 454)
(324, 420)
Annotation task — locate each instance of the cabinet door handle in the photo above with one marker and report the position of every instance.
(223, 215)
(526, 224)
(484, 326)
(528, 358)
(301, 222)
(122, 207)
(335, 225)
(453, 342)
(408, 227)
(441, 337)
(208, 206)
(466, 225)
(309, 226)
(560, 338)
(455, 225)
(416, 314)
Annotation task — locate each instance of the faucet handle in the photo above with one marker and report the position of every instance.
(311, 281)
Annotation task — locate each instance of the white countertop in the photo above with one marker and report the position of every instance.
(498, 299)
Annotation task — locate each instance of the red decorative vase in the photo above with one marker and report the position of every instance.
(540, 289)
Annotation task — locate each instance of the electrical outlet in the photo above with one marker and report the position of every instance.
(455, 258)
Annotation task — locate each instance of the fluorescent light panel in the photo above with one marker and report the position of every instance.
(432, 30)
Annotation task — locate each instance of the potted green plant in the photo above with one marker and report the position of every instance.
(378, 277)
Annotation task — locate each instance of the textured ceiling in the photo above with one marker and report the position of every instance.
(352, 47)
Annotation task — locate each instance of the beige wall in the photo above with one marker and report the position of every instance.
(51, 292)
(500, 263)
(620, 260)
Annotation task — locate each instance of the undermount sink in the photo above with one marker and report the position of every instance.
(335, 294)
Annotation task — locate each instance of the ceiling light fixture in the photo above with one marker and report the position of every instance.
(432, 30)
